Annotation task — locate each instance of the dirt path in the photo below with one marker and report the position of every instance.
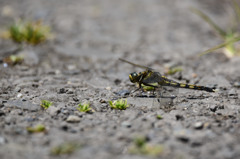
(81, 65)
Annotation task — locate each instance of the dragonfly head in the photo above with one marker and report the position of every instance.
(134, 77)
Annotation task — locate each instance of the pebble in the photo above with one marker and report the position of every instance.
(53, 110)
(9, 120)
(236, 84)
(73, 119)
(62, 90)
(19, 95)
(213, 108)
(179, 117)
(70, 91)
(232, 92)
(2, 113)
(108, 88)
(182, 135)
(123, 93)
(2, 140)
(126, 124)
(198, 125)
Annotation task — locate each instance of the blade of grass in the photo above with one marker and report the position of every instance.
(206, 18)
(220, 46)
(236, 9)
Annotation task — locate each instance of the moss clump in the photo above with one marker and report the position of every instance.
(27, 32)
(64, 148)
(84, 108)
(141, 147)
(119, 104)
(46, 104)
(38, 128)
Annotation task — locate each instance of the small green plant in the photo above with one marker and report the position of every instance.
(29, 32)
(46, 104)
(64, 148)
(84, 107)
(13, 59)
(119, 104)
(140, 146)
(159, 117)
(38, 128)
(230, 37)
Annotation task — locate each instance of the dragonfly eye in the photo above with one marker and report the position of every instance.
(133, 77)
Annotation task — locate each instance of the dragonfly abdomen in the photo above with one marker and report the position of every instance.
(188, 86)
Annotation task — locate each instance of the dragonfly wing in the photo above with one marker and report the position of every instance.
(141, 66)
(153, 77)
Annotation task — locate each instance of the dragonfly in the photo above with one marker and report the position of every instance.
(153, 79)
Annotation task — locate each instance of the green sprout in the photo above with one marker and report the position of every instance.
(38, 128)
(84, 107)
(119, 104)
(159, 117)
(230, 37)
(29, 32)
(46, 104)
(140, 146)
(64, 148)
(13, 59)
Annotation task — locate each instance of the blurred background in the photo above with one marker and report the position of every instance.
(110, 29)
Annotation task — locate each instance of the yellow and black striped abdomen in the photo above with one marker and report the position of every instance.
(188, 86)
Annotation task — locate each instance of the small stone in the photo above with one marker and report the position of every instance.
(19, 95)
(2, 140)
(232, 92)
(126, 124)
(179, 117)
(213, 108)
(62, 90)
(73, 119)
(102, 101)
(236, 84)
(5, 65)
(75, 99)
(65, 111)
(20, 112)
(198, 125)
(70, 91)
(64, 126)
(108, 88)
(197, 142)
(71, 67)
(10, 120)
(123, 93)
(2, 113)
(182, 136)
(53, 110)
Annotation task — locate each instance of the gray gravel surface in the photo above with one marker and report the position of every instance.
(81, 65)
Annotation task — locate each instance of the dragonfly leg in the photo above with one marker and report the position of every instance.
(136, 90)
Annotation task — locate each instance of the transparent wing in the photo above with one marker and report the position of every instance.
(153, 77)
(141, 66)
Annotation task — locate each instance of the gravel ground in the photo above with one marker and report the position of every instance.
(81, 65)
